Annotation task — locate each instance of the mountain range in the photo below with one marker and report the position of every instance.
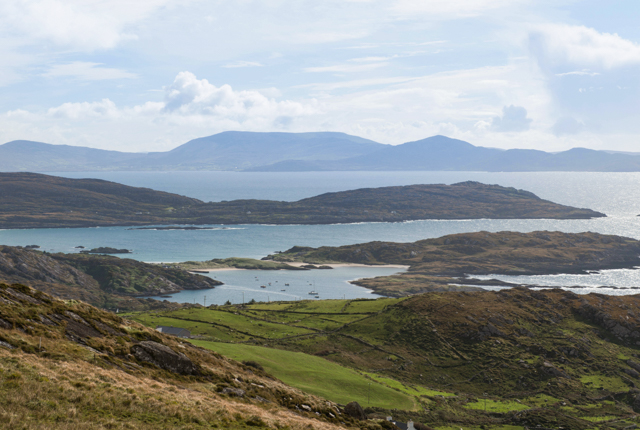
(321, 151)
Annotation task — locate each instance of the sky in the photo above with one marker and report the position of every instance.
(149, 75)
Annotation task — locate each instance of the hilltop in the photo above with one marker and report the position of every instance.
(434, 264)
(29, 200)
(104, 281)
(67, 365)
(531, 359)
(315, 151)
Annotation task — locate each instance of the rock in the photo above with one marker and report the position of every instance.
(550, 369)
(632, 373)
(164, 357)
(354, 410)
(231, 391)
(635, 366)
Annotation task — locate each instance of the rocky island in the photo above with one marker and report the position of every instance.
(29, 200)
(439, 264)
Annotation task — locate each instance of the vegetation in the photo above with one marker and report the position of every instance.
(68, 365)
(316, 375)
(105, 281)
(545, 358)
(234, 262)
(436, 264)
(32, 200)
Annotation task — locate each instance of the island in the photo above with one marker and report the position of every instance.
(31, 200)
(442, 264)
(106, 250)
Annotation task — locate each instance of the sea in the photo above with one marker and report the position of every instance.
(615, 194)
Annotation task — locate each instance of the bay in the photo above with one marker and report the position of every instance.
(242, 286)
(615, 194)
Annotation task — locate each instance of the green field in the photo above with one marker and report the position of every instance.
(316, 375)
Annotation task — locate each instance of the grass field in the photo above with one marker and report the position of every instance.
(316, 375)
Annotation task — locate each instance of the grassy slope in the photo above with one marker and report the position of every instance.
(315, 375)
(67, 365)
(552, 354)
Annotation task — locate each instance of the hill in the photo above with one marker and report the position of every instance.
(231, 150)
(30, 200)
(319, 151)
(443, 153)
(436, 264)
(68, 365)
(104, 281)
(511, 359)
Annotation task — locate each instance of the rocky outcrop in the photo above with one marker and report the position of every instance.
(354, 410)
(164, 357)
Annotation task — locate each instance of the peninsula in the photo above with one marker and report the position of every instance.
(101, 280)
(30, 200)
(439, 264)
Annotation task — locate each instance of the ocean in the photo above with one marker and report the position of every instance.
(615, 194)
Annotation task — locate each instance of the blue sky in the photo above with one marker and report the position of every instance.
(151, 74)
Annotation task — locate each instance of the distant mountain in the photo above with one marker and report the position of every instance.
(299, 152)
(443, 153)
(231, 150)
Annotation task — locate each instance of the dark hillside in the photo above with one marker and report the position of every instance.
(29, 200)
(104, 281)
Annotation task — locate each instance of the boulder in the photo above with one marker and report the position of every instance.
(164, 357)
(354, 410)
(231, 391)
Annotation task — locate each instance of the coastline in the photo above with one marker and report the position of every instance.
(300, 264)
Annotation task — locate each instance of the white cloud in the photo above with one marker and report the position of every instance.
(102, 109)
(239, 64)
(87, 71)
(79, 24)
(559, 45)
(346, 68)
(451, 9)
(192, 107)
(578, 73)
(514, 118)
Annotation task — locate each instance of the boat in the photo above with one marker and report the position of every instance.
(283, 290)
(317, 297)
(312, 293)
(263, 286)
(286, 285)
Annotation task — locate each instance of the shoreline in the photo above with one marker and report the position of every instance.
(300, 264)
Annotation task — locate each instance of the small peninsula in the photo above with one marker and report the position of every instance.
(439, 264)
(102, 280)
(30, 200)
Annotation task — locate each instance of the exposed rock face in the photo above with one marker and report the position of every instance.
(233, 391)
(354, 410)
(164, 357)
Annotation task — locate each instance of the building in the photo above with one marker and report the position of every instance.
(174, 331)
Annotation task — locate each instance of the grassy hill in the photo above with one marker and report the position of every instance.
(434, 264)
(29, 200)
(546, 358)
(68, 365)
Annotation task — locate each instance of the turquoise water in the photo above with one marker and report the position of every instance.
(244, 285)
(615, 194)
